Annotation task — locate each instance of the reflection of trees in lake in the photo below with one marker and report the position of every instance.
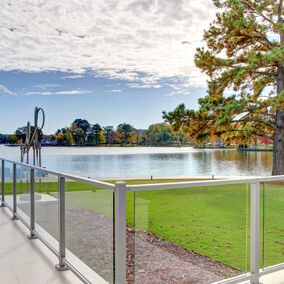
(195, 163)
(165, 157)
(202, 163)
(252, 161)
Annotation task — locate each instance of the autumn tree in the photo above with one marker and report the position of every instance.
(82, 123)
(97, 133)
(12, 139)
(109, 134)
(244, 60)
(61, 131)
(21, 133)
(3, 139)
(76, 135)
(160, 134)
(125, 132)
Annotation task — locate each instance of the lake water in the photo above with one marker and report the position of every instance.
(146, 161)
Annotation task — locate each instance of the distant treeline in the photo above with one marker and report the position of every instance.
(83, 133)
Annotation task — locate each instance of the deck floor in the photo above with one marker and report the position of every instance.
(24, 261)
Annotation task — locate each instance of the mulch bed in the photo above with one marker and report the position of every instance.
(149, 259)
(157, 261)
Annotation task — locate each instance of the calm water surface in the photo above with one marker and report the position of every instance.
(146, 161)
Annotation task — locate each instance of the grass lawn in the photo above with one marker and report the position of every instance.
(213, 221)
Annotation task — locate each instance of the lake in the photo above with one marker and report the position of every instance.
(120, 162)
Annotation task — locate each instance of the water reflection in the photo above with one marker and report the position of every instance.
(165, 162)
(224, 163)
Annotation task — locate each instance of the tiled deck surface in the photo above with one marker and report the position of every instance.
(24, 261)
(273, 278)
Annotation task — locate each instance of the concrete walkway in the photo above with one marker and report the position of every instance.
(24, 261)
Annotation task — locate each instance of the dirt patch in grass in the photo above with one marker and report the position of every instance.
(149, 259)
(157, 261)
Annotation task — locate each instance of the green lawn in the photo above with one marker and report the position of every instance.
(212, 221)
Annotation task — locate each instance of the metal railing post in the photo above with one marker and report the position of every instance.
(61, 266)
(255, 232)
(14, 192)
(120, 232)
(32, 200)
(3, 182)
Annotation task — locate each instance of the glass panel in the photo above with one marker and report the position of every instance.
(46, 207)
(23, 193)
(273, 223)
(1, 181)
(130, 235)
(89, 229)
(9, 184)
(190, 235)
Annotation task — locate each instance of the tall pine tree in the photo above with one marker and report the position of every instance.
(244, 60)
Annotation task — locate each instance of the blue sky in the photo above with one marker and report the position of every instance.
(108, 62)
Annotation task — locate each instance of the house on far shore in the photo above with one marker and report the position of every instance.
(46, 141)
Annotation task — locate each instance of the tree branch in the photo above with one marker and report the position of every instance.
(257, 134)
(264, 136)
(266, 73)
(257, 120)
(259, 13)
(280, 11)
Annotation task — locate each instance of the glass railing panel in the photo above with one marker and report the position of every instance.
(89, 229)
(273, 223)
(47, 207)
(1, 197)
(9, 184)
(190, 235)
(130, 236)
(23, 192)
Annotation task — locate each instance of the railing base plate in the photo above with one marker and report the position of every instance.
(15, 218)
(61, 267)
(32, 236)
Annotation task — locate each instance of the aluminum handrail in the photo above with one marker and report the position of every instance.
(94, 182)
(175, 185)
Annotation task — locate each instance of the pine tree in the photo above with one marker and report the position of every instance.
(244, 60)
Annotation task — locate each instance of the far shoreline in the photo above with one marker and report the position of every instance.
(150, 146)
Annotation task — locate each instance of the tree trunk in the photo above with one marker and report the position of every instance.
(278, 146)
(278, 141)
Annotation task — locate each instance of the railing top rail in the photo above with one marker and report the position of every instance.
(94, 182)
(173, 185)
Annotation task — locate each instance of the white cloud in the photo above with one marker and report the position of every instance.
(115, 91)
(72, 77)
(114, 39)
(144, 85)
(71, 92)
(4, 90)
(179, 92)
(46, 86)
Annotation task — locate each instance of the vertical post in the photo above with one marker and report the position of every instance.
(255, 232)
(120, 232)
(32, 200)
(14, 192)
(61, 266)
(3, 182)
